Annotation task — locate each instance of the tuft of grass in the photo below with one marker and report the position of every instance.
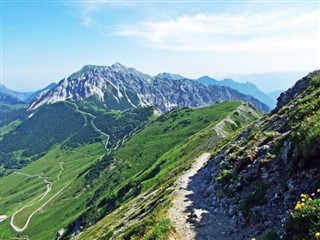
(269, 235)
(255, 199)
(224, 176)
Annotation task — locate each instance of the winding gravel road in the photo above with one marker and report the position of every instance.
(37, 199)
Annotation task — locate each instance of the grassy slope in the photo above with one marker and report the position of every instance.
(165, 149)
(143, 150)
(9, 127)
(11, 116)
(159, 146)
(18, 190)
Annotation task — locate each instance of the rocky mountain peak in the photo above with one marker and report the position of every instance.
(118, 66)
(119, 87)
(170, 76)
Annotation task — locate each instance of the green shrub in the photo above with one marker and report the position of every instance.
(315, 81)
(304, 221)
(224, 176)
(269, 235)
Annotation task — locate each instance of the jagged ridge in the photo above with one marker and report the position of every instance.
(119, 87)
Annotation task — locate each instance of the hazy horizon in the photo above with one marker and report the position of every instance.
(43, 42)
(258, 79)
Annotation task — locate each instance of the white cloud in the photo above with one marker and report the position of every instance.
(86, 10)
(265, 31)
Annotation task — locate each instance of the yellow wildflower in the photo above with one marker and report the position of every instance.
(318, 190)
(298, 206)
(302, 204)
(317, 234)
(303, 199)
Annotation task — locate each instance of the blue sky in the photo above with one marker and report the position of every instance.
(44, 41)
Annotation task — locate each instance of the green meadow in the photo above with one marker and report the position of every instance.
(62, 168)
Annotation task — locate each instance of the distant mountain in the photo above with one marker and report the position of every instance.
(6, 98)
(275, 94)
(170, 76)
(35, 94)
(118, 87)
(246, 88)
(271, 81)
(208, 81)
(19, 95)
(11, 113)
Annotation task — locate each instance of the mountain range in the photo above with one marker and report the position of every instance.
(119, 87)
(245, 88)
(113, 153)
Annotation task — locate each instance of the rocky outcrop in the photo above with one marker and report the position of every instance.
(297, 88)
(118, 87)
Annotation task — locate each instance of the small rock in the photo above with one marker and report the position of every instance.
(191, 220)
(231, 210)
(201, 224)
(268, 223)
(193, 215)
(60, 232)
(265, 175)
(209, 191)
(233, 220)
(216, 210)
(233, 187)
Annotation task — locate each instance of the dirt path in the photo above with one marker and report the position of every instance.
(193, 215)
(178, 213)
(85, 114)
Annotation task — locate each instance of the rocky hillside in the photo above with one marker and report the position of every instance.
(120, 88)
(265, 182)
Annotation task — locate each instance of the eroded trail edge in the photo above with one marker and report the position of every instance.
(180, 210)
